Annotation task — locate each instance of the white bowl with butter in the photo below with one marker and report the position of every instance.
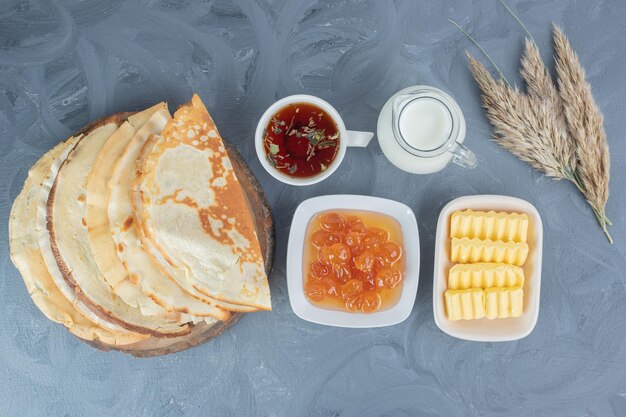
(486, 330)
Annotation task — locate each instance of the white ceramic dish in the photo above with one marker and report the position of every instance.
(484, 330)
(295, 249)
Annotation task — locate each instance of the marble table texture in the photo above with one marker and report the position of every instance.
(64, 63)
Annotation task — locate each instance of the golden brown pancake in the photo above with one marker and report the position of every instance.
(27, 257)
(192, 214)
(69, 244)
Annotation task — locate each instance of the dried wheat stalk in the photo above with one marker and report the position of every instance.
(558, 132)
(585, 126)
(521, 125)
(539, 85)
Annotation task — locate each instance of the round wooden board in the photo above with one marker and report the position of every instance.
(202, 333)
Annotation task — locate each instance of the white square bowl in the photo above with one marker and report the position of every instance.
(295, 250)
(485, 330)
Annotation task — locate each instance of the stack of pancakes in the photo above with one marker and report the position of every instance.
(138, 228)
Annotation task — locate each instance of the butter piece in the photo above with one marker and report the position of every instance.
(489, 225)
(484, 275)
(467, 250)
(476, 303)
(504, 302)
(465, 304)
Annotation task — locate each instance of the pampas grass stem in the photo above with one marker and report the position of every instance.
(475, 42)
(506, 6)
(560, 131)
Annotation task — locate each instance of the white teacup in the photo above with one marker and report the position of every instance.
(346, 138)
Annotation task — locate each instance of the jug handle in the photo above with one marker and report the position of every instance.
(463, 156)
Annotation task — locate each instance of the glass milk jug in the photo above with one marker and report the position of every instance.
(421, 129)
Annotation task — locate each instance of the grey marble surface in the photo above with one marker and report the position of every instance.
(65, 63)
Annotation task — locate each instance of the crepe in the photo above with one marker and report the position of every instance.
(67, 251)
(178, 276)
(192, 214)
(43, 238)
(27, 258)
(102, 246)
(124, 238)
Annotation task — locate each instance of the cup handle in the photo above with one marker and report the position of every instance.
(359, 139)
(463, 156)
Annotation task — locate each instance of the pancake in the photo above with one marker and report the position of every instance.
(69, 244)
(130, 253)
(27, 258)
(192, 214)
(43, 238)
(162, 265)
(101, 242)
